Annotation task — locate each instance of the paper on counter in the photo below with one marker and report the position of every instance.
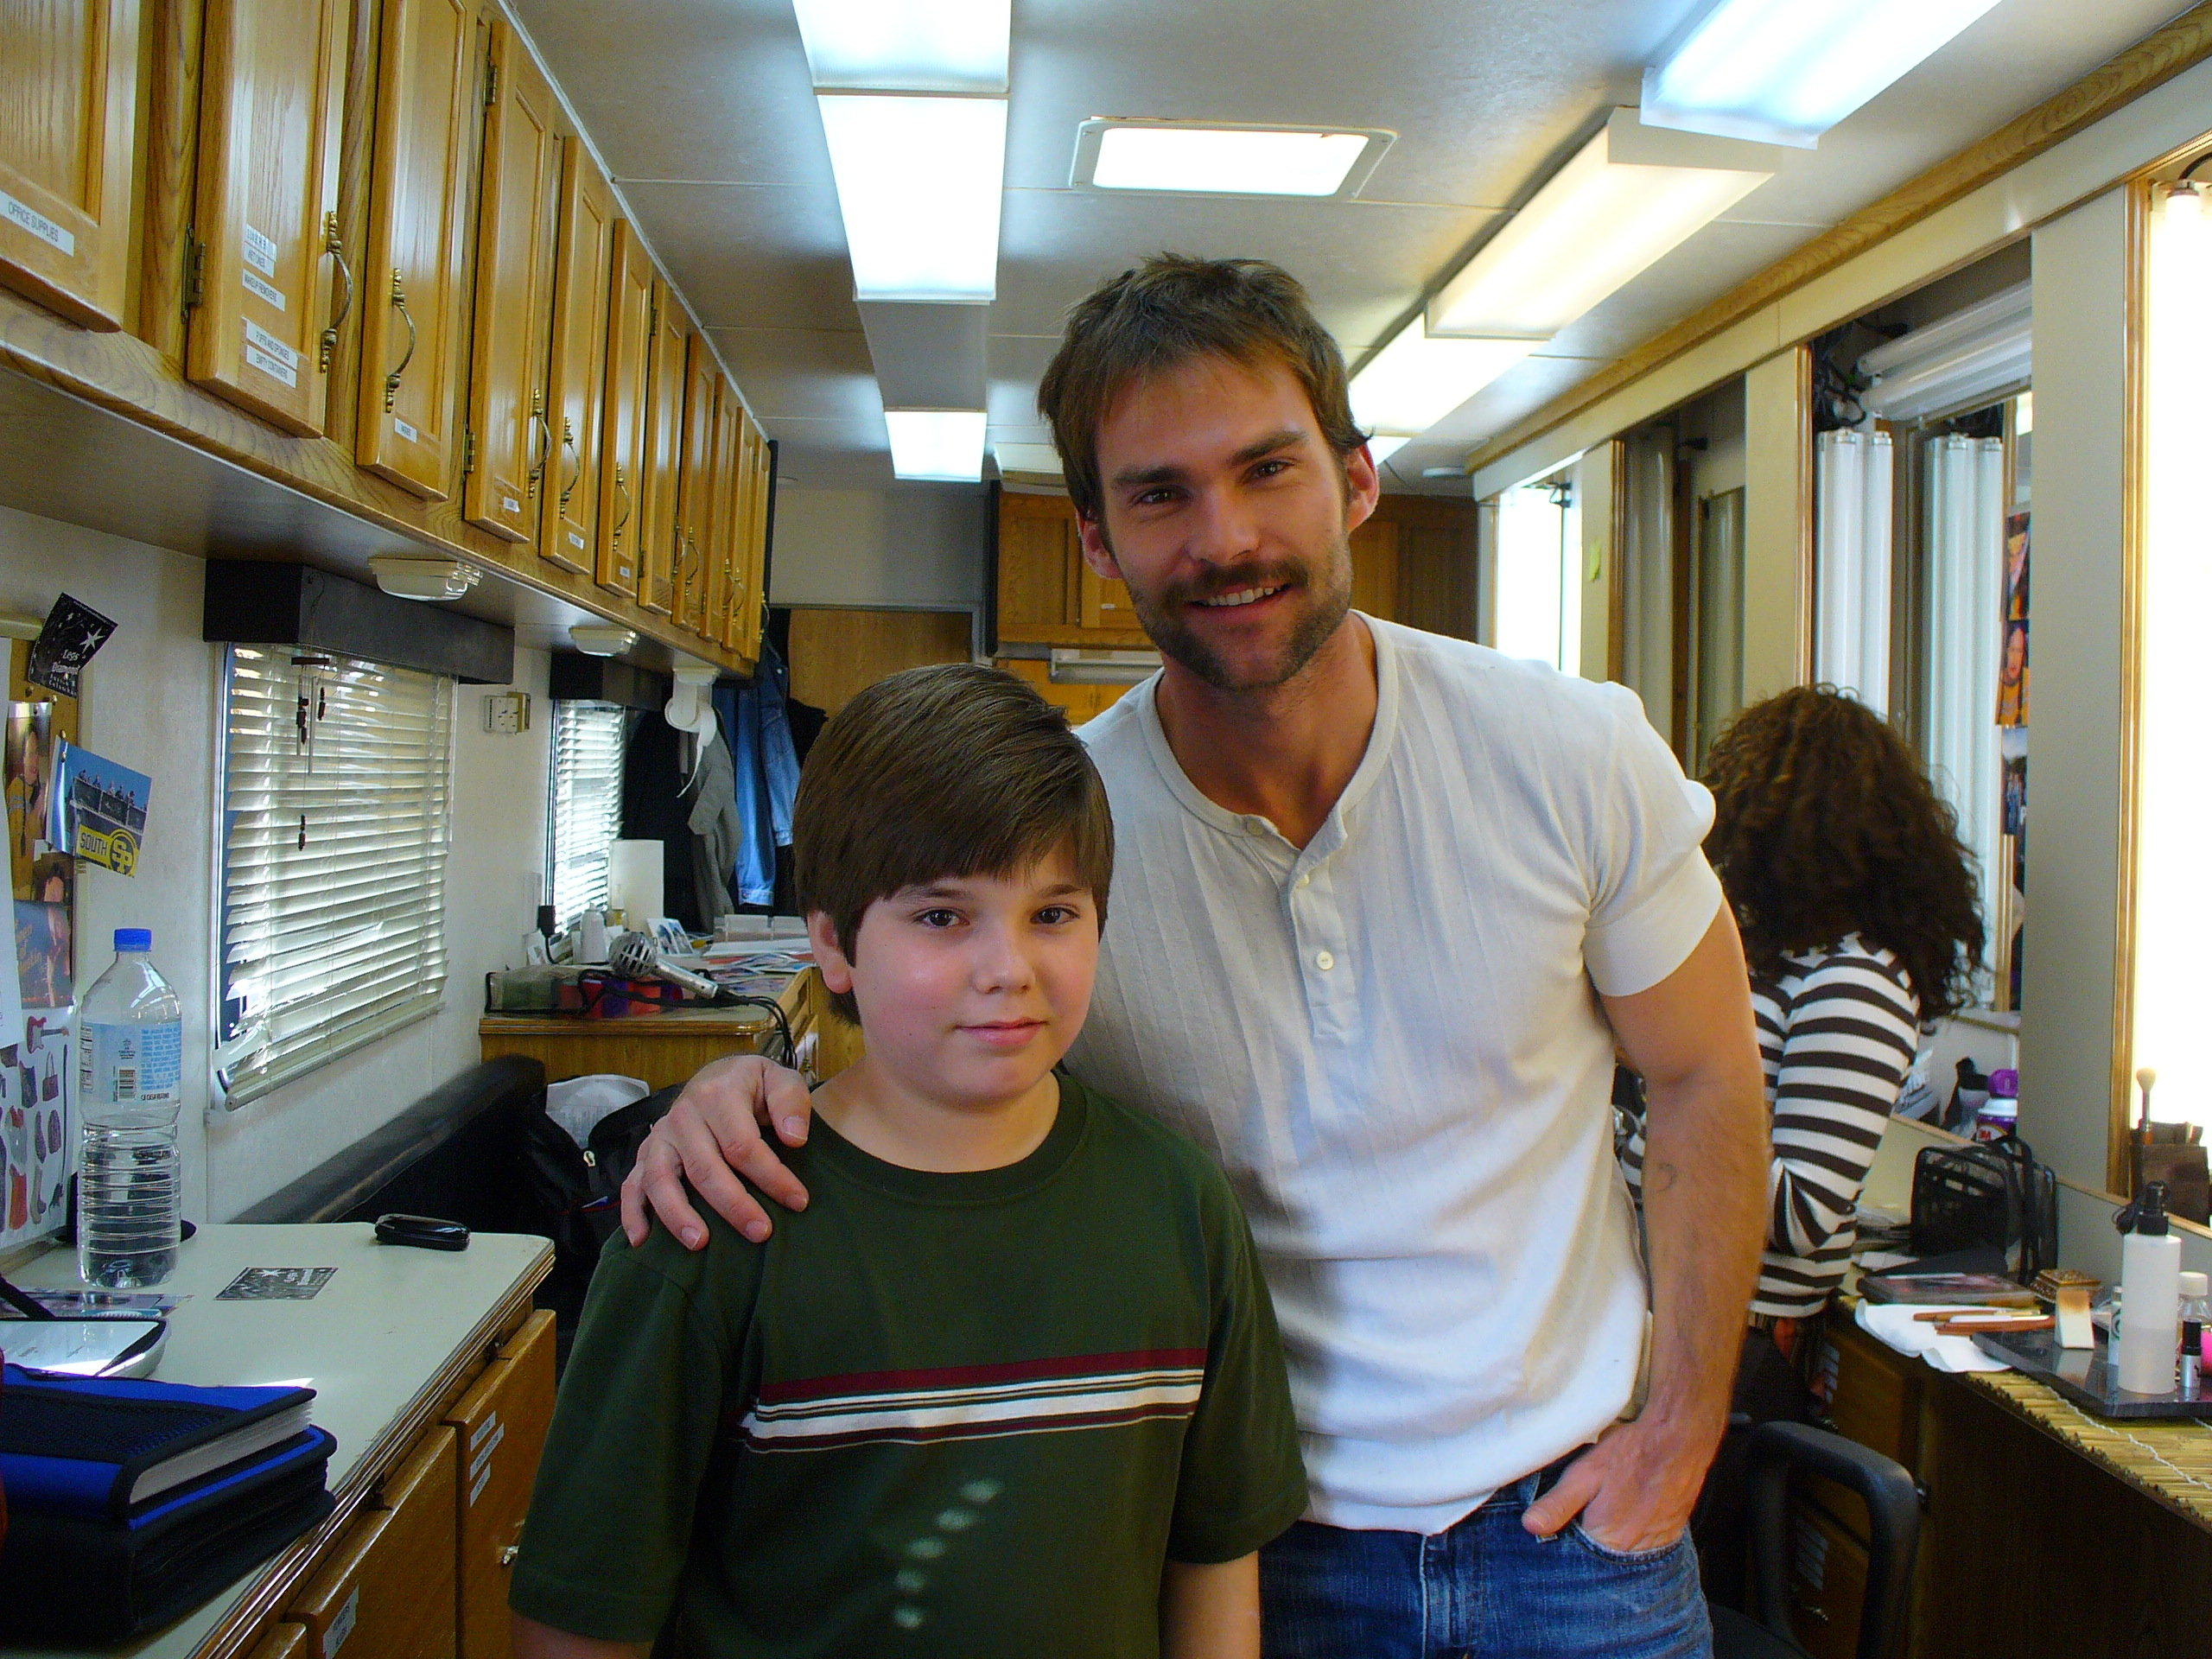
(1893, 1323)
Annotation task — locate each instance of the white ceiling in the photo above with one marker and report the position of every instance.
(703, 111)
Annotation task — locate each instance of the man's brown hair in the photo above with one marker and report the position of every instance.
(1166, 312)
(951, 771)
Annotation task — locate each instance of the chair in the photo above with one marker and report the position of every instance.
(1893, 1515)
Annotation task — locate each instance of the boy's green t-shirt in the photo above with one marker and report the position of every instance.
(964, 1415)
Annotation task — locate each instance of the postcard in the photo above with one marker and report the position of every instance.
(99, 809)
(73, 631)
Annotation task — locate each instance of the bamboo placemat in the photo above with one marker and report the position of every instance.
(2171, 1459)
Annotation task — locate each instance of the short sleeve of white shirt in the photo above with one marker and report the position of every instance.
(1653, 894)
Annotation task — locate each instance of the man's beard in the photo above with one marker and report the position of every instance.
(1328, 600)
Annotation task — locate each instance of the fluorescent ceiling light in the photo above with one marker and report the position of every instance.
(1028, 458)
(1783, 71)
(1204, 158)
(1417, 379)
(1628, 197)
(913, 46)
(918, 183)
(937, 444)
(1381, 446)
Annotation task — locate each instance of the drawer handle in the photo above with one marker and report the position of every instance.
(336, 249)
(538, 423)
(568, 443)
(622, 490)
(391, 380)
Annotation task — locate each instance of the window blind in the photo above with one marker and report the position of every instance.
(584, 810)
(335, 781)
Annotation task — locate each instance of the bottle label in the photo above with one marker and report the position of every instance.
(131, 1066)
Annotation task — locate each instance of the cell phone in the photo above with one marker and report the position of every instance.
(424, 1232)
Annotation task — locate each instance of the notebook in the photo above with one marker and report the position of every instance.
(99, 1447)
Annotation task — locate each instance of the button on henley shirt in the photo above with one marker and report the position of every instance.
(1390, 1042)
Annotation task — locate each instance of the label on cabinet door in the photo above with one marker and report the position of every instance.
(264, 351)
(342, 1626)
(260, 252)
(405, 430)
(37, 224)
(262, 291)
(574, 540)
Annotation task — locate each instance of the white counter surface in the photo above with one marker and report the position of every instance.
(383, 1343)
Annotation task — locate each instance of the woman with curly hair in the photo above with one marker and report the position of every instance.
(1857, 907)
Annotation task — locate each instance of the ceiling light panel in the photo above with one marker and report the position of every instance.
(918, 183)
(1613, 211)
(1783, 71)
(1381, 446)
(1417, 379)
(1190, 157)
(943, 444)
(913, 46)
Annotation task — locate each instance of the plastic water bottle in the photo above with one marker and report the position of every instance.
(130, 1064)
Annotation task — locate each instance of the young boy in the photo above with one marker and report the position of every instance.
(1009, 1386)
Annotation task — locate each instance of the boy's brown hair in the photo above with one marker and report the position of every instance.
(1166, 312)
(954, 770)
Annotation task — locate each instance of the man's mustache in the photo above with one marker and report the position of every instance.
(1288, 574)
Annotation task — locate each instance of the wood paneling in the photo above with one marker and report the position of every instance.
(569, 533)
(1036, 564)
(659, 535)
(387, 1587)
(67, 126)
(2158, 57)
(622, 463)
(1375, 567)
(662, 1048)
(511, 431)
(835, 653)
(1082, 701)
(414, 321)
(270, 266)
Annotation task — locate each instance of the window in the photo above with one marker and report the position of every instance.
(583, 805)
(335, 774)
(1539, 589)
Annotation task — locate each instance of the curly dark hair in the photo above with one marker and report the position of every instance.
(1825, 826)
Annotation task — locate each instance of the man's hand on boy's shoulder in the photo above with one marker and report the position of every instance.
(710, 1137)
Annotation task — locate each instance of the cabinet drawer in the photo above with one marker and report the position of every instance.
(500, 1430)
(386, 1589)
(1876, 1396)
(1827, 1583)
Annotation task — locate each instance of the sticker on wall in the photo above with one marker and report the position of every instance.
(37, 1147)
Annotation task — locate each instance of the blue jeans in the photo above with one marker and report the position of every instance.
(1485, 1588)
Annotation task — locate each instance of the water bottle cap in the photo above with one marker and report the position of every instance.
(2194, 1284)
(134, 938)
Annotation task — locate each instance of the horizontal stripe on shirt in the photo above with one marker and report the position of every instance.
(1838, 1032)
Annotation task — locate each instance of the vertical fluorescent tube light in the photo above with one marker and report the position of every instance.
(907, 46)
(1416, 380)
(2173, 901)
(945, 445)
(1783, 71)
(918, 183)
(1624, 200)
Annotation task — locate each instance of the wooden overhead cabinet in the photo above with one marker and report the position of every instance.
(659, 534)
(569, 536)
(269, 281)
(71, 72)
(509, 428)
(759, 483)
(1046, 593)
(695, 495)
(721, 547)
(629, 362)
(414, 318)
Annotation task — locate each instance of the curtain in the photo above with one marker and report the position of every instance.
(1851, 646)
(1966, 566)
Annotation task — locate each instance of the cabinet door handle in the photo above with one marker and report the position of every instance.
(507, 1556)
(538, 423)
(568, 443)
(622, 490)
(391, 380)
(336, 249)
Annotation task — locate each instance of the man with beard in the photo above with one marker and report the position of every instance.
(1388, 902)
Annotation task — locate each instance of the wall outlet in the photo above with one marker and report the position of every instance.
(507, 712)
